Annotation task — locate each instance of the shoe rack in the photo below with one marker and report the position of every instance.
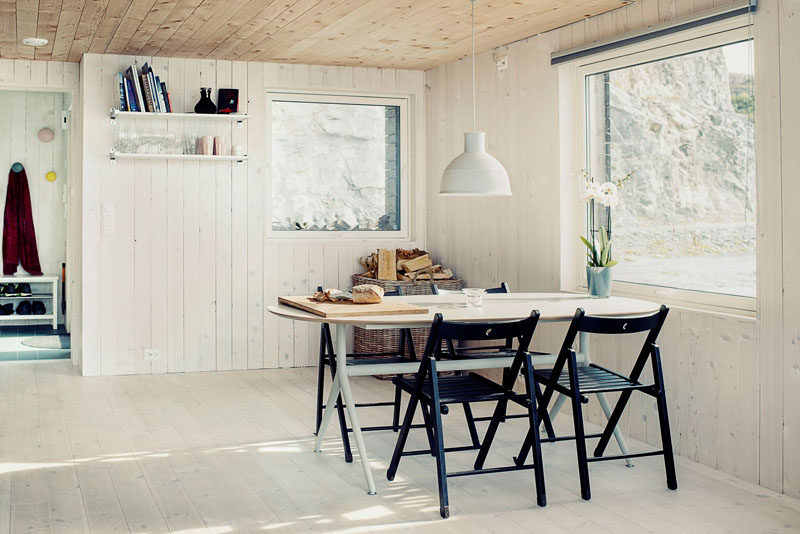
(43, 288)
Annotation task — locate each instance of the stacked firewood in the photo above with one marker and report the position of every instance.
(403, 265)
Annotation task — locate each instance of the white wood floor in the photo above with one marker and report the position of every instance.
(231, 452)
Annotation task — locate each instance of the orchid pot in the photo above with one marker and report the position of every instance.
(598, 280)
(598, 242)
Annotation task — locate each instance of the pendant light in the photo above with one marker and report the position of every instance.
(475, 172)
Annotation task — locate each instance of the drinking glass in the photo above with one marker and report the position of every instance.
(474, 296)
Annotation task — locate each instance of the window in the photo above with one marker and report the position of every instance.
(684, 125)
(337, 164)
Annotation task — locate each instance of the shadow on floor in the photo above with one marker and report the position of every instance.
(12, 349)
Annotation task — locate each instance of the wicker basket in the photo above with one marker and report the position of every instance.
(367, 341)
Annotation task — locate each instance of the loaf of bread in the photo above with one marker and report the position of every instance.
(330, 295)
(367, 294)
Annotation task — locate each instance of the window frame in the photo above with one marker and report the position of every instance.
(714, 35)
(324, 97)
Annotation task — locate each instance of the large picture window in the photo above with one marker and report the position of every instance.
(337, 163)
(684, 125)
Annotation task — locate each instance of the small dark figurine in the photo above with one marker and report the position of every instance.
(205, 105)
(228, 100)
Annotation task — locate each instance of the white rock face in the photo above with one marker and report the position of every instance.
(673, 123)
(328, 166)
(691, 202)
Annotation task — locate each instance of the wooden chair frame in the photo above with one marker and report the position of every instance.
(595, 379)
(502, 394)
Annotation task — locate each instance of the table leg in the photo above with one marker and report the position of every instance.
(330, 408)
(601, 397)
(557, 406)
(350, 405)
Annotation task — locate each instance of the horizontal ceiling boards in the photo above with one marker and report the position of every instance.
(368, 33)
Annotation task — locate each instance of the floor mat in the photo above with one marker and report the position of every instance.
(47, 342)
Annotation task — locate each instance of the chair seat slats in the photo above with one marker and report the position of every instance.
(463, 388)
(592, 379)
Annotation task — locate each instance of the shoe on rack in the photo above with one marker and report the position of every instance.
(39, 308)
(24, 308)
(6, 290)
(23, 290)
(7, 309)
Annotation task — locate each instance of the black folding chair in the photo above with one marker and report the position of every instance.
(327, 357)
(576, 382)
(434, 393)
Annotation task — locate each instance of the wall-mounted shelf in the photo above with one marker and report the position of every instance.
(186, 157)
(229, 117)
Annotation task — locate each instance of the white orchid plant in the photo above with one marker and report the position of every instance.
(604, 194)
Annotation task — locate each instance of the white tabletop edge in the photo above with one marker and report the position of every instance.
(553, 307)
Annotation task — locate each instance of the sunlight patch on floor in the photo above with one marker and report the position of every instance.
(373, 512)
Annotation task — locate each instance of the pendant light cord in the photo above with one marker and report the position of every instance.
(474, 93)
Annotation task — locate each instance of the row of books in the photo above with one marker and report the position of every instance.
(143, 91)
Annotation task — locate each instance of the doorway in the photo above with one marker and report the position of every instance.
(34, 144)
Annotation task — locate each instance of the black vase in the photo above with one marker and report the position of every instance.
(205, 105)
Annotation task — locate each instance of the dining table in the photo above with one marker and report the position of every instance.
(552, 307)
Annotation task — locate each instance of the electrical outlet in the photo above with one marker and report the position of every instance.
(150, 354)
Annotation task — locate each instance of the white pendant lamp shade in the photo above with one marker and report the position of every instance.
(475, 172)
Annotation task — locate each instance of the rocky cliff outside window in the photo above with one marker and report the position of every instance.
(336, 164)
(685, 126)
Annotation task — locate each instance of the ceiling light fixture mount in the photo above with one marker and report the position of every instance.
(475, 173)
(34, 41)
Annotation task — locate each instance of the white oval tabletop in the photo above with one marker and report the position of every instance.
(496, 307)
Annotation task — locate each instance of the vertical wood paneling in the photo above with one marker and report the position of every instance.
(261, 274)
(92, 119)
(192, 268)
(789, 18)
(175, 229)
(769, 246)
(159, 266)
(207, 264)
(191, 237)
(117, 256)
(25, 113)
(239, 230)
(722, 415)
(223, 238)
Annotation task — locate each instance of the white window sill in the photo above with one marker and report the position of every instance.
(719, 310)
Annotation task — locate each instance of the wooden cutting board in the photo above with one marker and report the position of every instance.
(349, 309)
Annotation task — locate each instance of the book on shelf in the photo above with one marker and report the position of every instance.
(131, 99)
(149, 104)
(166, 97)
(132, 74)
(151, 86)
(142, 90)
(162, 101)
(123, 97)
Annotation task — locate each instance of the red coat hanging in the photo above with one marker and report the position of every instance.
(19, 236)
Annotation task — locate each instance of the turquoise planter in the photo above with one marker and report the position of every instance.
(599, 281)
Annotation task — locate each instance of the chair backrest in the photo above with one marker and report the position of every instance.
(593, 324)
(450, 331)
(502, 289)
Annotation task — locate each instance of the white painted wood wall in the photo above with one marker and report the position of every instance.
(57, 77)
(733, 382)
(27, 112)
(188, 269)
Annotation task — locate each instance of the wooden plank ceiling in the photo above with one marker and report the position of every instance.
(412, 34)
